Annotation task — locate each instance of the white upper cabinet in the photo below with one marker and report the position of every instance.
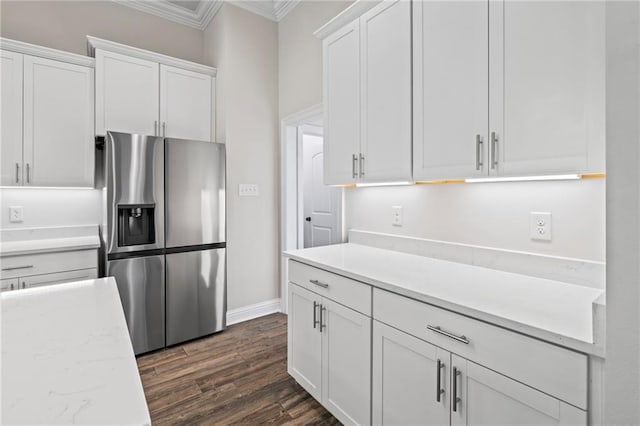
(367, 96)
(547, 62)
(450, 87)
(47, 127)
(185, 104)
(11, 119)
(127, 97)
(341, 52)
(138, 91)
(58, 123)
(385, 34)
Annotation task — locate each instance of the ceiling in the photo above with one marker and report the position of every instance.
(198, 13)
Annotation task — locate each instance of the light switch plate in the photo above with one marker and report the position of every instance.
(248, 190)
(396, 218)
(16, 214)
(540, 226)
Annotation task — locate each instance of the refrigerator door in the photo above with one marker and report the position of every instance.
(135, 192)
(196, 294)
(141, 286)
(195, 193)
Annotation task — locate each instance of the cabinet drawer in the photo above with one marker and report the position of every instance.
(353, 294)
(58, 278)
(554, 370)
(46, 263)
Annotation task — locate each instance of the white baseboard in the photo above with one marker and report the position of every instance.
(257, 310)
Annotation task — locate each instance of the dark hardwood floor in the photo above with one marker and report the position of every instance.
(238, 376)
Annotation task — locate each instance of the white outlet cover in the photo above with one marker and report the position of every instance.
(396, 217)
(16, 214)
(248, 190)
(540, 226)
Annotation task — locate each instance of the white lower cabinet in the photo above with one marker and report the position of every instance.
(329, 354)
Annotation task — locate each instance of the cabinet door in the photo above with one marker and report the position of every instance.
(304, 346)
(58, 123)
(127, 94)
(405, 379)
(385, 33)
(58, 278)
(346, 363)
(185, 104)
(547, 86)
(9, 284)
(489, 398)
(450, 89)
(11, 118)
(341, 53)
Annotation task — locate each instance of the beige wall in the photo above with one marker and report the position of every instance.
(64, 25)
(244, 47)
(300, 54)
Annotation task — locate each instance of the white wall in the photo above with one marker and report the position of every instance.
(623, 214)
(300, 54)
(64, 25)
(244, 47)
(489, 214)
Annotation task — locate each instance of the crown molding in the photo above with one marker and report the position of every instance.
(345, 17)
(46, 52)
(273, 10)
(94, 43)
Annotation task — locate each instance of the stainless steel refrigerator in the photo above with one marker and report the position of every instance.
(165, 236)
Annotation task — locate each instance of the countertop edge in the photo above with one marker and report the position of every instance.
(525, 329)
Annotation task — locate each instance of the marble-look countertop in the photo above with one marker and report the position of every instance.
(553, 311)
(67, 357)
(20, 241)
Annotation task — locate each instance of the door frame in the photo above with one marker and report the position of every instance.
(291, 226)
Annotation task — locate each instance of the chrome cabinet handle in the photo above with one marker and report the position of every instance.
(24, 284)
(479, 162)
(439, 390)
(319, 283)
(354, 159)
(456, 398)
(155, 128)
(437, 329)
(17, 173)
(322, 324)
(164, 129)
(11, 286)
(13, 268)
(361, 165)
(315, 321)
(494, 150)
(28, 174)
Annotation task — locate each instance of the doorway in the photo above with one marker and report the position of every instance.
(311, 212)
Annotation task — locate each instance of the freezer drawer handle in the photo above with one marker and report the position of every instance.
(437, 329)
(13, 268)
(319, 283)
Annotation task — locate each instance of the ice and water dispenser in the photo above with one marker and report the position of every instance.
(136, 224)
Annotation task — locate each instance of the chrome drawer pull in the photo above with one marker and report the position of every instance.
(456, 398)
(437, 329)
(319, 283)
(439, 390)
(13, 268)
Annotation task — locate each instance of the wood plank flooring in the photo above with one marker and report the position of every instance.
(238, 376)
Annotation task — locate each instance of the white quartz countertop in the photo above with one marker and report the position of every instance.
(67, 357)
(21, 241)
(554, 311)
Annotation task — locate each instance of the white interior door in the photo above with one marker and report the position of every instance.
(405, 379)
(11, 118)
(346, 363)
(304, 345)
(58, 123)
(185, 104)
(321, 203)
(451, 100)
(127, 94)
(489, 398)
(385, 33)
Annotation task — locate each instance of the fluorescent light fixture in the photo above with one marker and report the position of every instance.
(363, 185)
(48, 187)
(524, 178)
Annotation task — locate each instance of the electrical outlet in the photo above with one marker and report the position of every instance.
(396, 219)
(248, 190)
(16, 214)
(540, 226)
